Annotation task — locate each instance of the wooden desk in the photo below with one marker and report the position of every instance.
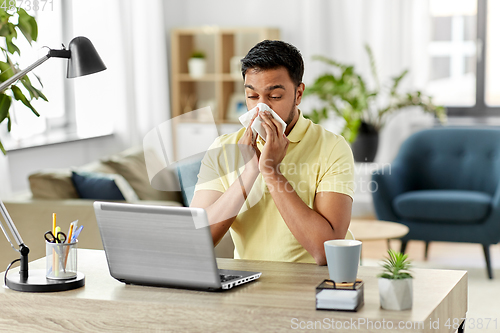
(283, 298)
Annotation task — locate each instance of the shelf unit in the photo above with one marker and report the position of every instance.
(220, 44)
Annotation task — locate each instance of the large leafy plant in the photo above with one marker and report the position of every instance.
(14, 23)
(348, 96)
(396, 266)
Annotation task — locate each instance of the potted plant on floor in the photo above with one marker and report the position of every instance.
(197, 64)
(365, 111)
(395, 282)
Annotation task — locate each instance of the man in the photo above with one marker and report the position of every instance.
(295, 191)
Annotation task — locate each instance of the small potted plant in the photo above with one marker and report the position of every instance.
(197, 64)
(395, 282)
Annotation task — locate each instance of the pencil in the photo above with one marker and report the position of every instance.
(54, 224)
(68, 240)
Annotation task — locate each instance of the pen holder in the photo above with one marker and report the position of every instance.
(61, 260)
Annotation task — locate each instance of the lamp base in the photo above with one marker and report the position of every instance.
(37, 282)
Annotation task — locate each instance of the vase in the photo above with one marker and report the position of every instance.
(395, 294)
(197, 67)
(364, 148)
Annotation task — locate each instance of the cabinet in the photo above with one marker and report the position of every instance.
(221, 87)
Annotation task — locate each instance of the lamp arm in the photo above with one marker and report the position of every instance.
(7, 236)
(11, 226)
(22, 73)
(23, 249)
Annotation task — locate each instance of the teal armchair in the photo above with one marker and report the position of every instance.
(444, 185)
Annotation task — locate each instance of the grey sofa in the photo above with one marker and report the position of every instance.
(52, 191)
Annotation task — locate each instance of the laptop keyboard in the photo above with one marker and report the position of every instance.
(224, 278)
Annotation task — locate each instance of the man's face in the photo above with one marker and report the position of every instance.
(275, 88)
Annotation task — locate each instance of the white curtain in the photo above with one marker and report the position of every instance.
(131, 96)
(146, 66)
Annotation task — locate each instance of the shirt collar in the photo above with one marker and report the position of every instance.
(299, 130)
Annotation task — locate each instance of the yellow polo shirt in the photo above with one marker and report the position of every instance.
(316, 161)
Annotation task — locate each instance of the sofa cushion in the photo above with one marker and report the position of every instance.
(100, 186)
(188, 177)
(132, 166)
(454, 206)
(52, 184)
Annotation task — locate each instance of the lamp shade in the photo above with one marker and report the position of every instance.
(84, 58)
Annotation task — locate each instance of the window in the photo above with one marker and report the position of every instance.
(463, 55)
(79, 108)
(51, 73)
(493, 54)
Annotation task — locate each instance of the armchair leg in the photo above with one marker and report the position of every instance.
(486, 249)
(403, 246)
(426, 250)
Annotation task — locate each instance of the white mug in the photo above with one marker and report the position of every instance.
(342, 257)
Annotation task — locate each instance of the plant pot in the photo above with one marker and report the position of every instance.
(197, 67)
(364, 148)
(395, 294)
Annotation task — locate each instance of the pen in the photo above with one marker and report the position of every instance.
(76, 234)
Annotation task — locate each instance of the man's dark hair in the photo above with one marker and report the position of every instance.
(271, 54)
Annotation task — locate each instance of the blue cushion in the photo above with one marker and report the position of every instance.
(188, 177)
(453, 206)
(94, 186)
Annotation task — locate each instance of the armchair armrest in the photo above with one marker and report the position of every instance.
(492, 223)
(387, 183)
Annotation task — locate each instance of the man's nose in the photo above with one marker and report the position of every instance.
(265, 101)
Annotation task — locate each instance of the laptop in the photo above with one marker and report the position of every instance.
(162, 246)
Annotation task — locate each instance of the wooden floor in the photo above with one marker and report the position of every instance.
(453, 255)
(440, 253)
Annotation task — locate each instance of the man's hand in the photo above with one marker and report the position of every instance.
(248, 147)
(275, 148)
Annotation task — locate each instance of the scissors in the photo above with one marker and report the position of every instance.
(49, 237)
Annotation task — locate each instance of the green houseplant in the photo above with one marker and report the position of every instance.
(395, 282)
(13, 22)
(365, 111)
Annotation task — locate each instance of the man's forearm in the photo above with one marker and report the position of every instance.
(309, 227)
(223, 212)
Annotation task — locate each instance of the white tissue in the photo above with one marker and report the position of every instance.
(257, 127)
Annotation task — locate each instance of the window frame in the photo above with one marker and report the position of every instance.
(480, 108)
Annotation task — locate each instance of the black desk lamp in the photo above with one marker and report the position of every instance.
(83, 59)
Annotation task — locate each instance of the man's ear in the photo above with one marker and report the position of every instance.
(300, 93)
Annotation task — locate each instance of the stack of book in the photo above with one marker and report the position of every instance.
(339, 296)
